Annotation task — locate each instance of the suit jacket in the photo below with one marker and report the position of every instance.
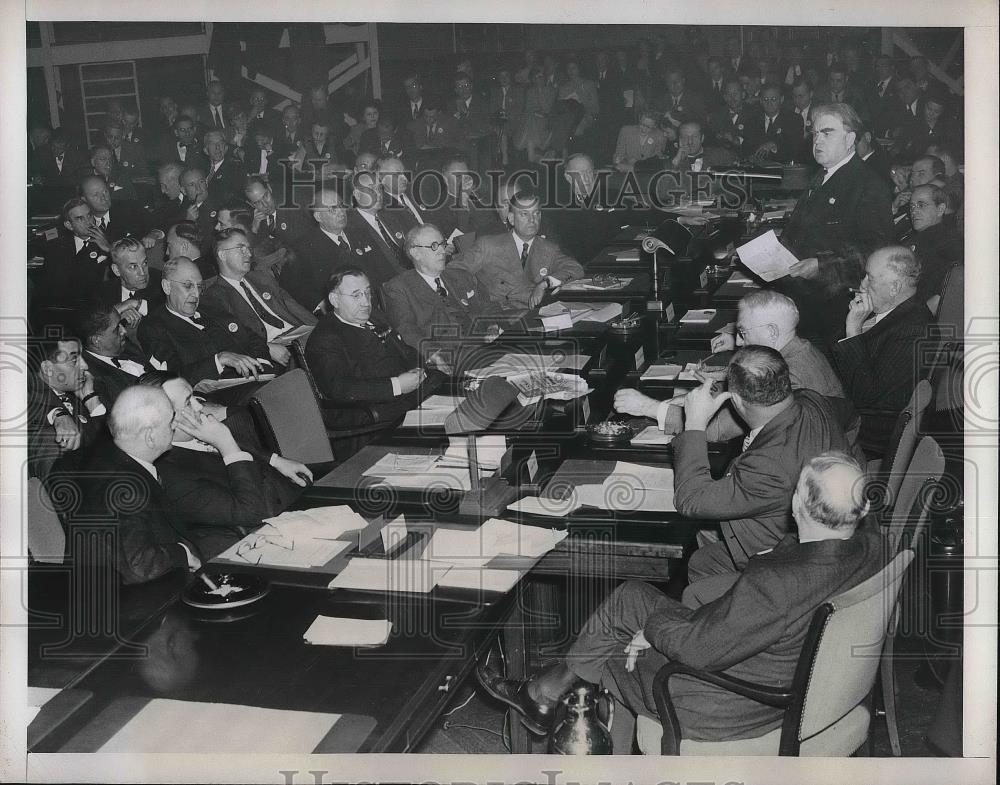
(474, 119)
(396, 146)
(398, 216)
(419, 313)
(445, 134)
(730, 130)
(290, 224)
(132, 157)
(690, 107)
(46, 167)
(881, 367)
(937, 248)
(222, 303)
(165, 212)
(753, 499)
(267, 118)
(495, 261)
(109, 381)
(630, 147)
(116, 491)
(755, 631)
(476, 219)
(381, 261)
(70, 277)
(42, 448)
(200, 490)
(227, 181)
(353, 365)
(128, 218)
(208, 120)
(189, 351)
(166, 151)
(853, 208)
(110, 291)
(785, 132)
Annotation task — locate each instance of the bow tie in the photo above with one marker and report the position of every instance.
(182, 144)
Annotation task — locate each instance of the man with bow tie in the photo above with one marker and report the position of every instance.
(728, 124)
(77, 261)
(64, 411)
(878, 358)
(102, 331)
(182, 144)
(692, 154)
(357, 357)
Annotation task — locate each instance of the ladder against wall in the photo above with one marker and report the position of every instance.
(101, 83)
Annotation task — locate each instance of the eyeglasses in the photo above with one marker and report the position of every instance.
(241, 248)
(188, 286)
(742, 331)
(433, 246)
(358, 296)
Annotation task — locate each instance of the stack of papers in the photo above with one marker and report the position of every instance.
(334, 631)
(320, 523)
(419, 471)
(652, 435)
(214, 385)
(666, 372)
(432, 412)
(272, 549)
(489, 452)
(416, 576)
(475, 547)
(688, 374)
(517, 364)
(536, 505)
(562, 316)
(585, 284)
(767, 257)
(533, 387)
(698, 316)
(632, 487)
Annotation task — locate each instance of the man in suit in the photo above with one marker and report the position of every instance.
(65, 411)
(382, 241)
(680, 103)
(752, 627)
(692, 154)
(413, 107)
(838, 91)
(131, 156)
(639, 142)
(934, 126)
(357, 357)
(936, 245)
(59, 162)
(879, 358)
(181, 145)
(104, 164)
(289, 136)
(846, 213)
(472, 111)
(271, 221)
(120, 489)
(260, 114)
(802, 102)
(386, 140)
(116, 219)
(170, 207)
(432, 300)
(399, 210)
(506, 112)
(883, 94)
(435, 135)
(460, 208)
(175, 337)
(134, 289)
(214, 113)
(102, 331)
(519, 268)
(224, 174)
(215, 485)
(772, 134)
(76, 261)
(253, 301)
(728, 124)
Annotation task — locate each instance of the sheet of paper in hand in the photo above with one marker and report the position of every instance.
(766, 256)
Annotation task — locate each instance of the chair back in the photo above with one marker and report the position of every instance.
(919, 488)
(904, 439)
(290, 420)
(951, 307)
(299, 360)
(946, 376)
(46, 538)
(840, 659)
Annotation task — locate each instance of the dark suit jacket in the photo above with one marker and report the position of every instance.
(290, 224)
(785, 132)
(222, 303)
(853, 208)
(42, 448)
(166, 151)
(880, 368)
(316, 257)
(116, 492)
(447, 133)
(397, 216)
(351, 365)
(45, 166)
(133, 158)
(377, 258)
(477, 219)
(755, 631)
(128, 218)
(420, 313)
(494, 260)
(227, 181)
(201, 491)
(396, 146)
(474, 119)
(937, 248)
(191, 352)
(109, 381)
(110, 291)
(753, 499)
(166, 212)
(70, 277)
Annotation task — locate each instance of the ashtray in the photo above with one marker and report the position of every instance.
(230, 591)
(606, 280)
(625, 325)
(610, 434)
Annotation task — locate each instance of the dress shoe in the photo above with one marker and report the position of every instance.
(535, 716)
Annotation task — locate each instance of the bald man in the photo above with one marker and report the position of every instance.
(121, 496)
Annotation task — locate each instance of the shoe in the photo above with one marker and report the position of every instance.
(535, 716)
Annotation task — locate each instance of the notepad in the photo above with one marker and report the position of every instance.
(219, 728)
(480, 579)
(414, 576)
(652, 435)
(667, 371)
(698, 316)
(337, 631)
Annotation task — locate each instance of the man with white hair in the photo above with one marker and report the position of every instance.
(879, 356)
(753, 627)
(121, 495)
(398, 209)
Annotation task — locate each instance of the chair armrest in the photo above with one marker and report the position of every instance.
(327, 405)
(770, 696)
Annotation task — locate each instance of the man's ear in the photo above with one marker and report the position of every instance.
(115, 269)
(45, 368)
(165, 285)
(330, 297)
(68, 225)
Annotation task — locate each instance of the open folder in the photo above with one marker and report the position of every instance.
(336, 631)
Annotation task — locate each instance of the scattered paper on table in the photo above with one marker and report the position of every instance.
(321, 523)
(490, 450)
(667, 371)
(767, 257)
(335, 631)
(400, 575)
(434, 410)
(164, 725)
(276, 550)
(652, 435)
(480, 579)
(698, 316)
(585, 284)
(535, 505)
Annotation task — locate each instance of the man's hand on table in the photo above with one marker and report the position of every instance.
(296, 472)
(633, 402)
(538, 293)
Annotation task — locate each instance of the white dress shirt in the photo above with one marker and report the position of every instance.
(271, 331)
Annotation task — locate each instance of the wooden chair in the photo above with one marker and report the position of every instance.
(918, 489)
(826, 708)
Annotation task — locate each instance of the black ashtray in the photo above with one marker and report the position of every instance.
(625, 326)
(610, 434)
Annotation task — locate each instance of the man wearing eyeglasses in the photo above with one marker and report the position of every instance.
(357, 357)
(432, 300)
(251, 301)
(519, 268)
(176, 337)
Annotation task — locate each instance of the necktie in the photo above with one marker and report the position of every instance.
(524, 254)
(747, 441)
(131, 294)
(344, 242)
(430, 132)
(767, 124)
(414, 110)
(218, 117)
(270, 223)
(259, 308)
(102, 223)
(442, 292)
(386, 234)
(116, 362)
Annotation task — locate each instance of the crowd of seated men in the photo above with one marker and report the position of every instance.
(308, 219)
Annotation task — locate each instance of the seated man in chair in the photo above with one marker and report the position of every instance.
(753, 628)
